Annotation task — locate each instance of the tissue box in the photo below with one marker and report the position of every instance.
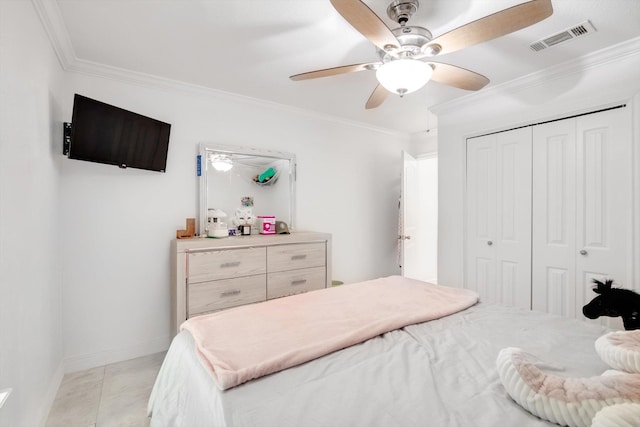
(267, 224)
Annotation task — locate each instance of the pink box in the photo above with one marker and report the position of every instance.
(267, 224)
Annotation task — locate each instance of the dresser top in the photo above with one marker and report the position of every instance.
(200, 243)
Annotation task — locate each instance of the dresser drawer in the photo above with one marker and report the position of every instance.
(225, 263)
(291, 282)
(290, 257)
(210, 296)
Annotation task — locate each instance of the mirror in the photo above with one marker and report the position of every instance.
(238, 177)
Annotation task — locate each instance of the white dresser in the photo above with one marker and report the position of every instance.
(213, 274)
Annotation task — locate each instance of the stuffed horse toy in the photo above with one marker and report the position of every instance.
(614, 302)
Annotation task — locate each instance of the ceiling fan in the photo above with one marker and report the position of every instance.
(405, 52)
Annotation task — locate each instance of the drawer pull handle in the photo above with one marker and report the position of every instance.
(230, 293)
(295, 257)
(298, 282)
(230, 264)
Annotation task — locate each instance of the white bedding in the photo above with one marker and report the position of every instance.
(439, 373)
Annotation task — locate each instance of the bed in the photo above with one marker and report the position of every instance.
(439, 373)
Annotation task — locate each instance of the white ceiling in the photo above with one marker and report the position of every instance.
(251, 47)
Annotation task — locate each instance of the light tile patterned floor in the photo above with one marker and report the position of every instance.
(109, 396)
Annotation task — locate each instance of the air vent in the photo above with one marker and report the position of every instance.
(577, 31)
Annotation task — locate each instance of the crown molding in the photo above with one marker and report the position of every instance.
(52, 21)
(51, 18)
(543, 77)
(104, 71)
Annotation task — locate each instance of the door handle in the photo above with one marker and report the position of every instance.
(489, 242)
(583, 252)
(404, 237)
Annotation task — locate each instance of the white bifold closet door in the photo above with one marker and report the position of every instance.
(498, 260)
(582, 205)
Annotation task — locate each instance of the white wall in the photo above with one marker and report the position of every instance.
(602, 79)
(117, 224)
(31, 341)
(426, 142)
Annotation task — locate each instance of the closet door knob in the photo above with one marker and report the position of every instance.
(489, 242)
(583, 252)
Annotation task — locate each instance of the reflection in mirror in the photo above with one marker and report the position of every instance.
(238, 184)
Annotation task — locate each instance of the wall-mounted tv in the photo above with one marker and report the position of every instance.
(103, 133)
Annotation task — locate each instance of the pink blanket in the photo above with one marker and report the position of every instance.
(247, 342)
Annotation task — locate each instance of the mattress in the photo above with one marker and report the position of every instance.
(439, 373)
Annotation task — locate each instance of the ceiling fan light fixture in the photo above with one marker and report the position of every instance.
(403, 76)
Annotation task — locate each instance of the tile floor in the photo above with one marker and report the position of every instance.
(109, 396)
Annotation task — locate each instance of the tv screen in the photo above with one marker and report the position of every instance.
(103, 133)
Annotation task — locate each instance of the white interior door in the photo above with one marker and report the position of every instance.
(513, 216)
(409, 230)
(554, 216)
(582, 211)
(499, 217)
(604, 201)
(481, 216)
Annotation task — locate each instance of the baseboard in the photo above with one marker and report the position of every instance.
(106, 357)
(52, 392)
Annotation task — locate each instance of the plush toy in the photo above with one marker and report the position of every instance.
(244, 216)
(621, 415)
(614, 302)
(620, 350)
(579, 402)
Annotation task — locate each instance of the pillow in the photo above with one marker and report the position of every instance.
(620, 350)
(566, 401)
(623, 415)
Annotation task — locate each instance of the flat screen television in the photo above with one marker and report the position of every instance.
(103, 133)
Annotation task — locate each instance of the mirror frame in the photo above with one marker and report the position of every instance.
(203, 181)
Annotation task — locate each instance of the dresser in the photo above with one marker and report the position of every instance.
(208, 275)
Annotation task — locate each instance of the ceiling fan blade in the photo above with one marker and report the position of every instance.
(457, 76)
(363, 19)
(377, 97)
(334, 71)
(493, 26)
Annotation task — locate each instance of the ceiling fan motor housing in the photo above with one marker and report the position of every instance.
(401, 10)
(412, 39)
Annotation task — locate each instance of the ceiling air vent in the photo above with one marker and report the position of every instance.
(571, 33)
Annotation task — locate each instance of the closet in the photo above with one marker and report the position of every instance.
(582, 206)
(549, 208)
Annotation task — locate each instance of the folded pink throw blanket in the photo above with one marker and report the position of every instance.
(247, 342)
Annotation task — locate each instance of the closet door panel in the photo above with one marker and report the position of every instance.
(582, 207)
(604, 201)
(553, 247)
(510, 288)
(559, 292)
(481, 215)
(513, 251)
(499, 217)
(484, 279)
